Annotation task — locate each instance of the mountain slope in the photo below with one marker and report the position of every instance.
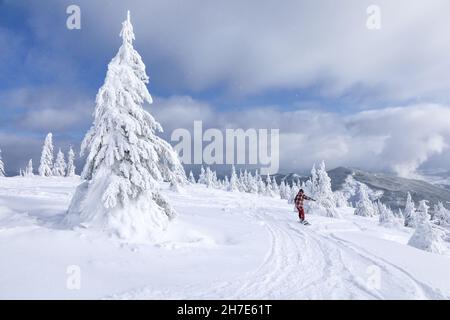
(394, 188)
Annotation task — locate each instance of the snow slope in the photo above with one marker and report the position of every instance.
(222, 245)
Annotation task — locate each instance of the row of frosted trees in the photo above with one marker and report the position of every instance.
(431, 226)
(317, 186)
(49, 166)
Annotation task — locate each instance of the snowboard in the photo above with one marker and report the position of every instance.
(305, 223)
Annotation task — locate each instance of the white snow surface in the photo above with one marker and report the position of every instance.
(222, 245)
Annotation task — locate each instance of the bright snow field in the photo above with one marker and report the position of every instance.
(222, 245)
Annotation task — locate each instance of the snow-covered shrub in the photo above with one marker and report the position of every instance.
(70, 163)
(126, 160)
(425, 237)
(59, 168)
(46, 165)
(410, 212)
(364, 207)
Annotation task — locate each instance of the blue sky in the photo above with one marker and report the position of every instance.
(312, 65)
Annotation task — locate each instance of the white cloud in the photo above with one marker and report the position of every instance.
(399, 139)
(250, 47)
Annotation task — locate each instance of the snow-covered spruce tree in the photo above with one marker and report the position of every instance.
(283, 194)
(29, 169)
(341, 199)
(192, 178)
(252, 183)
(2, 165)
(70, 163)
(209, 178)
(364, 207)
(294, 190)
(126, 160)
(386, 216)
(261, 185)
(425, 237)
(321, 191)
(46, 165)
(201, 177)
(234, 183)
(410, 212)
(441, 216)
(226, 183)
(269, 191)
(59, 168)
(275, 188)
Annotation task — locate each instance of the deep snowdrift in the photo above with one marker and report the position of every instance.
(222, 245)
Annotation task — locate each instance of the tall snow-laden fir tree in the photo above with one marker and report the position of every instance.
(425, 237)
(70, 163)
(2, 165)
(59, 168)
(46, 165)
(126, 160)
(29, 170)
(410, 212)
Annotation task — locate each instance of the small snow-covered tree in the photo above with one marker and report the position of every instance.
(234, 183)
(410, 212)
(2, 165)
(46, 165)
(70, 163)
(209, 178)
(386, 216)
(425, 237)
(321, 191)
(364, 207)
(341, 199)
(192, 178)
(283, 194)
(269, 185)
(29, 170)
(275, 188)
(294, 190)
(252, 184)
(442, 215)
(59, 168)
(201, 177)
(126, 160)
(226, 183)
(261, 186)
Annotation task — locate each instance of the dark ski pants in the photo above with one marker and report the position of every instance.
(301, 213)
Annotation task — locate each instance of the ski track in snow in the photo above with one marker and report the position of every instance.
(304, 263)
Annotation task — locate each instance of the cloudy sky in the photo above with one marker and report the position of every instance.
(338, 91)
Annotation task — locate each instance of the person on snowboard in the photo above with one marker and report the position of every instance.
(299, 199)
